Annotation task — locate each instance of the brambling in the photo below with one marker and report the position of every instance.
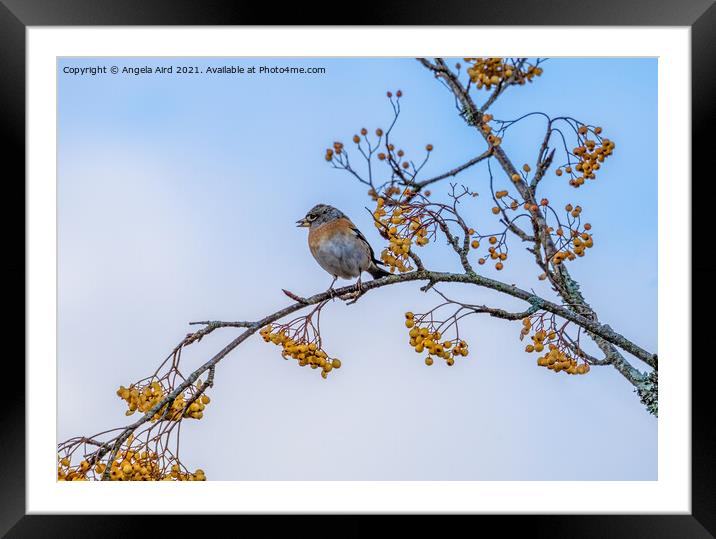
(338, 246)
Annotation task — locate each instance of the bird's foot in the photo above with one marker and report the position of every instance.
(353, 296)
(331, 290)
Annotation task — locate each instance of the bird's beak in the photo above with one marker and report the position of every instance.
(302, 223)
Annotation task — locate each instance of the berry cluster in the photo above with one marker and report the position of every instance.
(390, 192)
(67, 472)
(336, 150)
(590, 153)
(128, 465)
(176, 474)
(364, 133)
(428, 338)
(558, 360)
(338, 155)
(144, 398)
(489, 72)
(402, 226)
(555, 357)
(307, 352)
(575, 239)
(495, 251)
(486, 128)
(132, 465)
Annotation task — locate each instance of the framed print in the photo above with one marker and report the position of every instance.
(429, 263)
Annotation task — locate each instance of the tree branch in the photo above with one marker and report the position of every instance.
(454, 172)
(601, 330)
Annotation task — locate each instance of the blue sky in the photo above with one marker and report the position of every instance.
(177, 198)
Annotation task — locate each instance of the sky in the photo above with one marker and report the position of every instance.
(177, 201)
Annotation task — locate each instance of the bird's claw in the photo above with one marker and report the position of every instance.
(353, 296)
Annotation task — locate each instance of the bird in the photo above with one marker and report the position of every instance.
(338, 246)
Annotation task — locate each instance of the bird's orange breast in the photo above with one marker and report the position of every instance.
(322, 233)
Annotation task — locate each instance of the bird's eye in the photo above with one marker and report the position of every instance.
(310, 217)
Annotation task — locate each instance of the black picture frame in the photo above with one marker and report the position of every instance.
(699, 15)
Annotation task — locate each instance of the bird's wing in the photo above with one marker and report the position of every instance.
(361, 237)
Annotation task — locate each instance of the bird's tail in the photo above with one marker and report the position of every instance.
(377, 272)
